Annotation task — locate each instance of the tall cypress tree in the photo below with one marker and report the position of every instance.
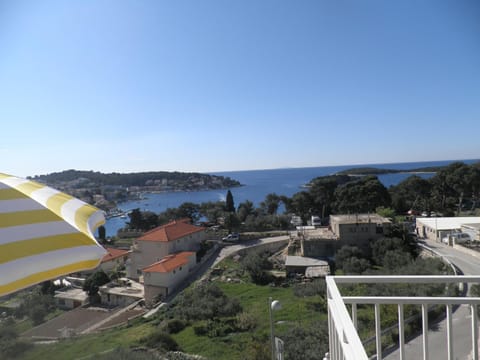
(229, 204)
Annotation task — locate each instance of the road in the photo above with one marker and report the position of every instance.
(230, 249)
(461, 320)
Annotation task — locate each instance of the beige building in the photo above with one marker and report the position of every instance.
(153, 246)
(70, 298)
(113, 259)
(359, 229)
(162, 277)
(122, 292)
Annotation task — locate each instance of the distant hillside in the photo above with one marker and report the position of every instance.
(378, 171)
(106, 190)
(179, 179)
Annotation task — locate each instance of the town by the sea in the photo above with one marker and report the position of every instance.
(258, 183)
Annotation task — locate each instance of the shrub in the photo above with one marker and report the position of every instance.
(246, 321)
(200, 329)
(204, 302)
(127, 354)
(174, 326)
(255, 263)
(160, 340)
(316, 287)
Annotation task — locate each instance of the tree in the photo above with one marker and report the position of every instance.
(142, 220)
(306, 342)
(413, 193)
(361, 196)
(245, 209)
(322, 192)
(212, 210)
(229, 204)
(301, 204)
(255, 263)
(271, 204)
(102, 233)
(230, 221)
(94, 281)
(135, 219)
(346, 252)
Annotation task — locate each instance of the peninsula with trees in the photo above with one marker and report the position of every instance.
(105, 190)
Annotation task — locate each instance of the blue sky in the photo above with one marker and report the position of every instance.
(230, 85)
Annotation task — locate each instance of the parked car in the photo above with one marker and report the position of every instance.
(458, 238)
(231, 237)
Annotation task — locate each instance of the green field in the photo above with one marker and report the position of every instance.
(238, 345)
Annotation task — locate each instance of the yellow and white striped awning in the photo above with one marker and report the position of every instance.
(44, 234)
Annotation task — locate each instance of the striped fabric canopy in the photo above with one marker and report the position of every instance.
(44, 234)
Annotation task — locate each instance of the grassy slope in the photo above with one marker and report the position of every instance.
(254, 300)
(84, 346)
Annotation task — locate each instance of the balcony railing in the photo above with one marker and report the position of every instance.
(344, 340)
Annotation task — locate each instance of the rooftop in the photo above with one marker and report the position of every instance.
(304, 261)
(114, 254)
(170, 262)
(174, 230)
(448, 223)
(358, 218)
(71, 293)
(124, 287)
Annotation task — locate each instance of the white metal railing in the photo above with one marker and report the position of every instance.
(344, 340)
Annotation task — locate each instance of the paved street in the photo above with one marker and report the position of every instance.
(462, 343)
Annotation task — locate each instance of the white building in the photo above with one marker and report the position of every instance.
(70, 298)
(174, 237)
(436, 228)
(162, 277)
(121, 293)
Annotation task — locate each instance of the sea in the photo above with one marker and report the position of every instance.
(256, 184)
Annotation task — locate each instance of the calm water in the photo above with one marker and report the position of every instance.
(259, 183)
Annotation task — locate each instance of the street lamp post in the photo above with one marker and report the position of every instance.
(273, 305)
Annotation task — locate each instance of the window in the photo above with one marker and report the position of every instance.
(180, 268)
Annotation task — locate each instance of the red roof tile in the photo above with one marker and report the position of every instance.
(170, 262)
(114, 254)
(172, 231)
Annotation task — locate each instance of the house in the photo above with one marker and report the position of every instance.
(436, 228)
(307, 266)
(359, 229)
(164, 276)
(121, 292)
(174, 237)
(70, 297)
(115, 258)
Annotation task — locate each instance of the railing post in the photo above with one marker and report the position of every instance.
(473, 309)
(425, 330)
(449, 332)
(401, 332)
(378, 332)
(354, 316)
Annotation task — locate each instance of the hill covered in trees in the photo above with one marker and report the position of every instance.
(104, 190)
(379, 171)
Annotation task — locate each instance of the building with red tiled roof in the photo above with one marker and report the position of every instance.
(114, 258)
(164, 276)
(174, 237)
(172, 231)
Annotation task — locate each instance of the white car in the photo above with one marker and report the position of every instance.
(458, 238)
(231, 237)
